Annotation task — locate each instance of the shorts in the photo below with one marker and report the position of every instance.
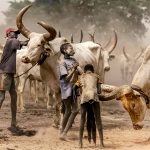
(6, 80)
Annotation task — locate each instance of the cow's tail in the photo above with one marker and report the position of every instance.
(91, 126)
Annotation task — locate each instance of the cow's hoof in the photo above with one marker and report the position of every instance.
(102, 146)
(80, 145)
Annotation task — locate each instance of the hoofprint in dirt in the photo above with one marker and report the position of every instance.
(118, 132)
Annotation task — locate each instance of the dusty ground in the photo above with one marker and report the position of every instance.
(118, 132)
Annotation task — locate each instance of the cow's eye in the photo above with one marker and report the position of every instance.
(128, 95)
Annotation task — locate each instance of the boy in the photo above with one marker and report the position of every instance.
(90, 86)
(68, 69)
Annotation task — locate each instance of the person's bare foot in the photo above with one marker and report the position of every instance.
(63, 137)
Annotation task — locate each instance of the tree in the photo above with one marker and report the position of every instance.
(125, 16)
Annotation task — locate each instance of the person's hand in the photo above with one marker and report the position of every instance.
(76, 65)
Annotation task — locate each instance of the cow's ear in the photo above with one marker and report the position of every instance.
(111, 57)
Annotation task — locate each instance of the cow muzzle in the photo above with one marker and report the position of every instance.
(138, 126)
(107, 68)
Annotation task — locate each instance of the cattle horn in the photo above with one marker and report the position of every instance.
(81, 36)
(52, 32)
(59, 34)
(24, 31)
(92, 36)
(125, 54)
(112, 44)
(72, 38)
(138, 56)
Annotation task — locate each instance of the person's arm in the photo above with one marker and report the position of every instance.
(64, 73)
(80, 70)
(69, 76)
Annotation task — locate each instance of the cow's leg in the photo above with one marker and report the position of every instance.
(57, 109)
(20, 88)
(36, 89)
(82, 123)
(50, 97)
(30, 87)
(97, 114)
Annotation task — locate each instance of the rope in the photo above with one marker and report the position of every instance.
(26, 71)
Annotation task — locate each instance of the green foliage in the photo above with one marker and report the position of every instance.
(125, 16)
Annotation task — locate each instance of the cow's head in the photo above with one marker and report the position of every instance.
(37, 41)
(107, 50)
(134, 104)
(131, 61)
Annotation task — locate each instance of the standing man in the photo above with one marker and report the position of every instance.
(69, 70)
(8, 69)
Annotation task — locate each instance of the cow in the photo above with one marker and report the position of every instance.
(128, 64)
(135, 97)
(23, 73)
(86, 52)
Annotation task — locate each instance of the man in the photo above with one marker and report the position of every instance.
(8, 69)
(68, 69)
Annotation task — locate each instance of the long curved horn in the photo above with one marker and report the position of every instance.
(92, 36)
(59, 34)
(113, 42)
(72, 38)
(24, 31)
(52, 32)
(81, 36)
(125, 54)
(139, 55)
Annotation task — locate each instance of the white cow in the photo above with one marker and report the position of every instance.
(87, 52)
(129, 64)
(34, 77)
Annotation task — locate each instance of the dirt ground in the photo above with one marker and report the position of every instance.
(118, 131)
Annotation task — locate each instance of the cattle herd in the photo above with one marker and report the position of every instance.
(134, 97)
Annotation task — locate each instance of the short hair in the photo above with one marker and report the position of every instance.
(88, 67)
(64, 47)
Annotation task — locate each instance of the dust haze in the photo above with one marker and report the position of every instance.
(132, 43)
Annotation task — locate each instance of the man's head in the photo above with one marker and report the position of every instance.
(12, 33)
(88, 67)
(67, 49)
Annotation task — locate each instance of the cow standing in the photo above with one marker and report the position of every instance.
(128, 64)
(86, 52)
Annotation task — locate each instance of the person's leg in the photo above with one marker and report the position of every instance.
(67, 105)
(91, 126)
(62, 111)
(13, 96)
(74, 113)
(82, 123)
(97, 114)
(2, 97)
